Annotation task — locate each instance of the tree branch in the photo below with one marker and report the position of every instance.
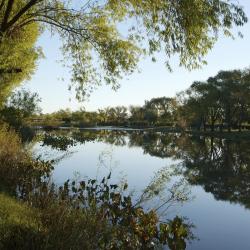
(7, 14)
(1, 4)
(29, 5)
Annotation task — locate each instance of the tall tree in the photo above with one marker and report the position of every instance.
(18, 53)
(222, 99)
(234, 88)
(20, 106)
(136, 113)
(165, 107)
(93, 37)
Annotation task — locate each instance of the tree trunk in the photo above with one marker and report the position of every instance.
(212, 126)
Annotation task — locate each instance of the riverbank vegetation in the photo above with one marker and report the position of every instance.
(89, 214)
(94, 214)
(220, 103)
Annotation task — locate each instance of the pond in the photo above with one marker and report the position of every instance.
(213, 174)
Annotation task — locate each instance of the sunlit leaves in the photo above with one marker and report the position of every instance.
(103, 40)
(18, 57)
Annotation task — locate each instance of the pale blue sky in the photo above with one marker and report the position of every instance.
(154, 80)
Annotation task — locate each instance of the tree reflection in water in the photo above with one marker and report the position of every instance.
(220, 166)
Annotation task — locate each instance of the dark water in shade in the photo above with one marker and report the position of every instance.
(215, 172)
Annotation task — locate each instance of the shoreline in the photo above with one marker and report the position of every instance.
(220, 134)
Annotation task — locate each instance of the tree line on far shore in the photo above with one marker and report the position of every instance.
(219, 103)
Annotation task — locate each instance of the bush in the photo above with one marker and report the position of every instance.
(98, 215)
(19, 172)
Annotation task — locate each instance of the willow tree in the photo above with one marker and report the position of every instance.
(102, 40)
(18, 53)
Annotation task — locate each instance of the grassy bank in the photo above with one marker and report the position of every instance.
(19, 224)
(234, 134)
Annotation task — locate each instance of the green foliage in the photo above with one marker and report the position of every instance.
(19, 172)
(136, 113)
(24, 101)
(216, 104)
(165, 107)
(98, 44)
(19, 107)
(114, 116)
(95, 214)
(221, 100)
(150, 115)
(18, 53)
(19, 225)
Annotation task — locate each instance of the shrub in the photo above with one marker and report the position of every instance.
(19, 172)
(98, 215)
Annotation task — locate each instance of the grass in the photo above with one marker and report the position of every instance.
(19, 226)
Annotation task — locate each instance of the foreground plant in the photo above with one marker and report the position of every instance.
(19, 172)
(99, 215)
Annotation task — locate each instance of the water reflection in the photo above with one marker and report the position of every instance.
(220, 166)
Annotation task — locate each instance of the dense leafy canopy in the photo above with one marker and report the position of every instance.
(18, 55)
(221, 100)
(19, 107)
(103, 40)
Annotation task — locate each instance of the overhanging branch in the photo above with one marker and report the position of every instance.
(29, 5)
(7, 14)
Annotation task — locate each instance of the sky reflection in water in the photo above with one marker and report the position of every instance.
(217, 171)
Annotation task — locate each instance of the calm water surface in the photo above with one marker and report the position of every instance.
(214, 173)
